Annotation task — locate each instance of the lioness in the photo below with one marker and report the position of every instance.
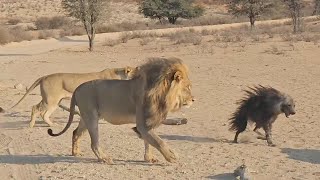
(160, 86)
(58, 86)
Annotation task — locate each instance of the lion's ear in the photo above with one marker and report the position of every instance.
(177, 76)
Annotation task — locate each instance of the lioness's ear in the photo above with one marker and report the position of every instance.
(128, 69)
(177, 76)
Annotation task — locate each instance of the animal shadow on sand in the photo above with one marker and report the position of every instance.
(16, 123)
(40, 159)
(306, 155)
(223, 176)
(48, 159)
(194, 138)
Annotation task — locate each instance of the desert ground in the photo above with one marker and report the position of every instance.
(223, 61)
(219, 72)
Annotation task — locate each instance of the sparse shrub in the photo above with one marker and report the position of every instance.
(51, 23)
(14, 21)
(275, 50)
(250, 8)
(172, 10)
(89, 12)
(42, 23)
(4, 36)
(58, 21)
(316, 10)
(181, 37)
(145, 41)
(72, 31)
(18, 34)
(45, 34)
(125, 37)
(111, 42)
(295, 7)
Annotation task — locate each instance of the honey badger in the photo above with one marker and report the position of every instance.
(261, 105)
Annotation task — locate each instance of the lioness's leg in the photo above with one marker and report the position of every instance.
(36, 110)
(51, 106)
(77, 133)
(148, 155)
(91, 122)
(46, 115)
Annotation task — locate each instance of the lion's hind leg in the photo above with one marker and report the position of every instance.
(91, 121)
(77, 133)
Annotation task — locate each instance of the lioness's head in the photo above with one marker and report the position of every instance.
(126, 73)
(288, 106)
(179, 94)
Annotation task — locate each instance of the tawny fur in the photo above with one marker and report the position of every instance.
(58, 86)
(261, 105)
(158, 87)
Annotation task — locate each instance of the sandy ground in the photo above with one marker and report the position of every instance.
(219, 72)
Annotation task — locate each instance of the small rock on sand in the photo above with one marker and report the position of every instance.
(19, 86)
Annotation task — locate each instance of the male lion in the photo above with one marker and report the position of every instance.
(160, 86)
(262, 105)
(58, 86)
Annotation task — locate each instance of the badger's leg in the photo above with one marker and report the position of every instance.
(241, 127)
(267, 128)
(260, 135)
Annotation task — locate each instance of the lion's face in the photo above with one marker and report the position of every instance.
(288, 106)
(180, 91)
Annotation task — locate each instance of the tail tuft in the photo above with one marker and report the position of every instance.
(50, 132)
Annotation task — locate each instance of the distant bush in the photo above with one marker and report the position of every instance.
(172, 10)
(14, 21)
(4, 36)
(51, 23)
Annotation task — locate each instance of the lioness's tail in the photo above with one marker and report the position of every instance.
(35, 84)
(72, 112)
(239, 119)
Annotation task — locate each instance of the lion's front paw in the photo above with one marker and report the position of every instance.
(106, 160)
(170, 156)
(77, 154)
(150, 159)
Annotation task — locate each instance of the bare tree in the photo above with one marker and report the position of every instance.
(295, 7)
(316, 7)
(89, 12)
(251, 8)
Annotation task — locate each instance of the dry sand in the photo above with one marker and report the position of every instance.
(219, 73)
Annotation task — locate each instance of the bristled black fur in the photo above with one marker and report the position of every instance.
(257, 106)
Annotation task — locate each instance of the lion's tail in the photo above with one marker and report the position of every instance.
(239, 119)
(34, 85)
(72, 112)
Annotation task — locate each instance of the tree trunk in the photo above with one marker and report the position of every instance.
(252, 21)
(92, 36)
(172, 20)
(90, 44)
